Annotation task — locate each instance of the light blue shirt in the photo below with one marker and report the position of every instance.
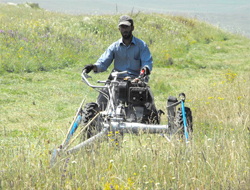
(130, 58)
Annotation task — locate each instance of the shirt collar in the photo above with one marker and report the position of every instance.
(132, 42)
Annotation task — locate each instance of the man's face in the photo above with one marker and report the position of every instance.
(126, 31)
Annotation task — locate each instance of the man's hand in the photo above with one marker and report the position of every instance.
(144, 72)
(88, 68)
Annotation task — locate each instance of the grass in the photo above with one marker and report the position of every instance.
(39, 97)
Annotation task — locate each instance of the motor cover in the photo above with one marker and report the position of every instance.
(123, 91)
(138, 95)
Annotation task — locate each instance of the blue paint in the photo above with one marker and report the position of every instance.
(75, 126)
(184, 119)
(53, 158)
(54, 154)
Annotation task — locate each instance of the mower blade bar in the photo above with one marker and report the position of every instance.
(90, 141)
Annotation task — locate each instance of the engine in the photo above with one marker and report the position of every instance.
(133, 93)
(133, 97)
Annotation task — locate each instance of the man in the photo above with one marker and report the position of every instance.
(129, 54)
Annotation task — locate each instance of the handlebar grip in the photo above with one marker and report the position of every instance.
(142, 71)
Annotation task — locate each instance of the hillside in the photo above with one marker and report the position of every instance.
(42, 55)
(38, 40)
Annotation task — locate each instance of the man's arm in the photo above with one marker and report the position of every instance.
(146, 59)
(105, 60)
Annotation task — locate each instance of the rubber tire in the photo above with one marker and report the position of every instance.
(89, 111)
(189, 120)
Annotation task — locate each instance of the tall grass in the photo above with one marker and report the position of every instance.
(36, 107)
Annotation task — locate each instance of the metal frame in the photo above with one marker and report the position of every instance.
(109, 120)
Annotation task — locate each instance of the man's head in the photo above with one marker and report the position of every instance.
(126, 26)
(126, 20)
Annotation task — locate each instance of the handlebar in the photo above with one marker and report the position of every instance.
(85, 80)
(116, 74)
(113, 74)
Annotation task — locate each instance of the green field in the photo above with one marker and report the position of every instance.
(41, 58)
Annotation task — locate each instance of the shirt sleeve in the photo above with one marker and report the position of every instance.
(146, 57)
(106, 59)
